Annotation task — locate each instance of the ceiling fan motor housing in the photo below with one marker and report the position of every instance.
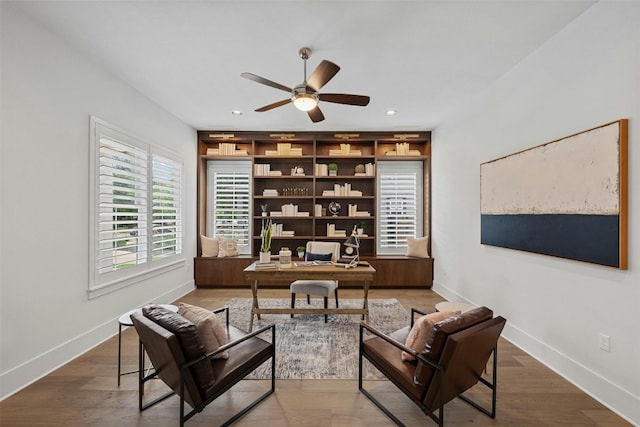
(304, 99)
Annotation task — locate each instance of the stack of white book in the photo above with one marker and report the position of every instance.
(332, 232)
(369, 170)
(270, 192)
(264, 266)
(321, 169)
(353, 211)
(402, 149)
(342, 191)
(226, 149)
(277, 230)
(289, 209)
(284, 149)
(345, 150)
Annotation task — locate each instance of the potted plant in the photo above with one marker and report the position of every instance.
(265, 245)
(263, 208)
(300, 250)
(360, 227)
(333, 169)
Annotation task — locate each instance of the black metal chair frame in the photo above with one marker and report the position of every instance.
(184, 371)
(439, 419)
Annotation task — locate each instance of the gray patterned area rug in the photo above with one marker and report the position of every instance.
(308, 348)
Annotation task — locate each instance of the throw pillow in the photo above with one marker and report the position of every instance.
(417, 247)
(419, 333)
(211, 331)
(317, 257)
(187, 335)
(228, 247)
(210, 246)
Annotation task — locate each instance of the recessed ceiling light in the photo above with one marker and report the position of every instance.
(236, 112)
(392, 112)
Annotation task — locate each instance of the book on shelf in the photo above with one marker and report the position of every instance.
(345, 150)
(226, 149)
(289, 209)
(402, 149)
(332, 232)
(353, 211)
(284, 149)
(270, 192)
(321, 169)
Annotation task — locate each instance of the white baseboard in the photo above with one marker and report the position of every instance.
(32, 370)
(621, 401)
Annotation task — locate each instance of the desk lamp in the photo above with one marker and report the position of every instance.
(353, 242)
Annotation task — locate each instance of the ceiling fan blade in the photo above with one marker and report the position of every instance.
(264, 81)
(322, 74)
(316, 115)
(345, 98)
(274, 105)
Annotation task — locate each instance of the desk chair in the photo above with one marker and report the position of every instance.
(327, 251)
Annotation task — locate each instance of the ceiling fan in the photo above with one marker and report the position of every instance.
(306, 96)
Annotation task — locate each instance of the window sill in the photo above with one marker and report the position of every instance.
(108, 287)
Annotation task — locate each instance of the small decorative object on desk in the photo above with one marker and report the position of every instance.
(285, 258)
(300, 250)
(265, 245)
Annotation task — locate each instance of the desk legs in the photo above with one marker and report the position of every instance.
(254, 305)
(365, 302)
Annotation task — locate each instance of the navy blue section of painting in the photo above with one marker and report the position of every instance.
(589, 238)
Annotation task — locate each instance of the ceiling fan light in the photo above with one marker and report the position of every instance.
(305, 101)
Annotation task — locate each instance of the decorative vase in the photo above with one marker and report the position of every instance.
(265, 257)
(360, 231)
(300, 254)
(285, 258)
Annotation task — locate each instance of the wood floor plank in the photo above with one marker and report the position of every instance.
(84, 392)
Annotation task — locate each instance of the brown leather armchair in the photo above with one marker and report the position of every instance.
(453, 360)
(178, 358)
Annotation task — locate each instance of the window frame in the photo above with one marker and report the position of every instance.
(101, 283)
(394, 167)
(229, 166)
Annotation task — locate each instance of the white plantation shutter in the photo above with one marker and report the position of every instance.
(229, 201)
(399, 205)
(123, 181)
(167, 207)
(136, 209)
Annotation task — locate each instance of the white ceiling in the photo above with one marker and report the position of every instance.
(424, 58)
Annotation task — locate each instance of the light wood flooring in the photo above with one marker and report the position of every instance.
(84, 392)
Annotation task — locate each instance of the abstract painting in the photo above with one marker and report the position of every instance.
(566, 198)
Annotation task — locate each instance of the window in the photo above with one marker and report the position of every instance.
(137, 208)
(229, 201)
(399, 205)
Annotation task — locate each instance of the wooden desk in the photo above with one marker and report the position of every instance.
(315, 272)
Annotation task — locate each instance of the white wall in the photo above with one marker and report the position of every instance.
(48, 92)
(587, 75)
